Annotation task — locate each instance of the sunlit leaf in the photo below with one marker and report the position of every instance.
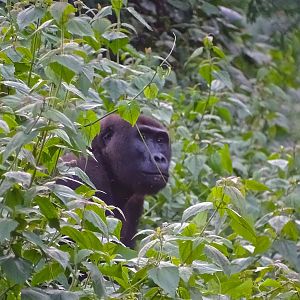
(218, 258)
(195, 209)
(47, 273)
(60, 11)
(151, 91)
(129, 111)
(139, 17)
(79, 26)
(29, 15)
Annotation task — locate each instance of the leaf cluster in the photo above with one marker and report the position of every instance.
(227, 224)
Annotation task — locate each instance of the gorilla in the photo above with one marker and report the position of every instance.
(127, 166)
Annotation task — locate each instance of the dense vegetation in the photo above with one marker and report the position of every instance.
(223, 76)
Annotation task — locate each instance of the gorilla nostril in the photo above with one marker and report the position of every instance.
(159, 158)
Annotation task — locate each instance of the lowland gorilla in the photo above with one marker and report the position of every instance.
(125, 169)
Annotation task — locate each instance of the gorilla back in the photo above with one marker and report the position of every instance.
(127, 166)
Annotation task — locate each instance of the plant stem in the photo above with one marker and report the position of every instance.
(33, 51)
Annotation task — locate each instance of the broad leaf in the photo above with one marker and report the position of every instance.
(17, 270)
(218, 257)
(80, 26)
(29, 15)
(151, 91)
(195, 209)
(129, 111)
(166, 277)
(97, 278)
(17, 141)
(60, 11)
(6, 227)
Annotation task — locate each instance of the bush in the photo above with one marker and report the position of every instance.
(231, 205)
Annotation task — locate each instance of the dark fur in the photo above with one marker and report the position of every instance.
(124, 168)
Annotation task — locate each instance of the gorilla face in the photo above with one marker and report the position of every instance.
(138, 157)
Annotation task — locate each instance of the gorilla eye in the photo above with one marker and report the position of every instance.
(107, 136)
(160, 140)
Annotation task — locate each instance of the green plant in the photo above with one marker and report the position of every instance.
(231, 205)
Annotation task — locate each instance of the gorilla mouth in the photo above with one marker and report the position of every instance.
(165, 175)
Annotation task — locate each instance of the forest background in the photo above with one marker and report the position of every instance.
(223, 76)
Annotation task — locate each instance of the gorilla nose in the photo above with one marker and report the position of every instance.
(160, 159)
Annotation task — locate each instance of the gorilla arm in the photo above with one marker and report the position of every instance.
(132, 211)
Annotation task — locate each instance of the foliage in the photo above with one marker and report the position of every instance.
(228, 222)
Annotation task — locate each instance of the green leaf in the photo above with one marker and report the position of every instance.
(48, 273)
(280, 163)
(17, 270)
(61, 257)
(4, 126)
(103, 12)
(218, 257)
(60, 11)
(17, 141)
(118, 44)
(59, 73)
(151, 91)
(195, 163)
(18, 85)
(92, 217)
(7, 71)
(48, 294)
(241, 226)
(91, 131)
(269, 282)
(129, 111)
(225, 158)
(203, 267)
(240, 264)
(64, 193)
(166, 277)
(46, 207)
(114, 35)
(289, 251)
(236, 197)
(195, 209)
(238, 288)
(29, 15)
(6, 227)
(84, 177)
(253, 185)
(101, 25)
(218, 51)
(19, 177)
(85, 239)
(79, 26)
(117, 4)
(196, 53)
(60, 118)
(263, 244)
(72, 62)
(225, 114)
(224, 77)
(278, 222)
(139, 17)
(97, 278)
(115, 87)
